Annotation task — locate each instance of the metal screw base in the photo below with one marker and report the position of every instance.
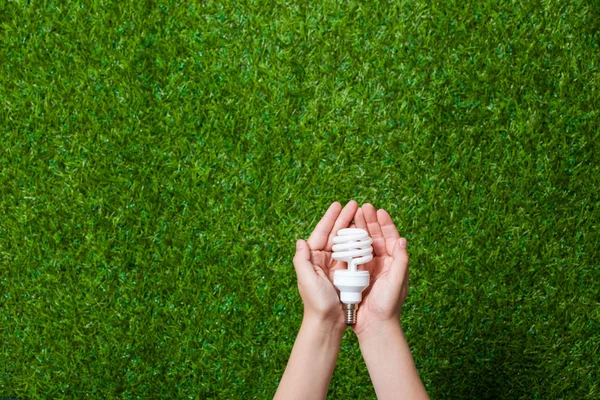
(350, 313)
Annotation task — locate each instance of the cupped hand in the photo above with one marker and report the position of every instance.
(315, 267)
(382, 301)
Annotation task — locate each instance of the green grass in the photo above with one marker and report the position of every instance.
(159, 159)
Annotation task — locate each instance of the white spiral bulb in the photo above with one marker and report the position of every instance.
(352, 245)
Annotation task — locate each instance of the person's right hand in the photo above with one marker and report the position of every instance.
(315, 267)
(382, 301)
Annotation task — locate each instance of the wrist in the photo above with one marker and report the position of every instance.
(378, 330)
(323, 326)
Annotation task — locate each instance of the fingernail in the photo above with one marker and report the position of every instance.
(299, 245)
(403, 243)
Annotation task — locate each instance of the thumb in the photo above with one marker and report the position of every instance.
(302, 264)
(399, 260)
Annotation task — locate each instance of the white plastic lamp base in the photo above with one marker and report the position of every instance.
(351, 284)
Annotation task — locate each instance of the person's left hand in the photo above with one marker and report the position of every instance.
(315, 267)
(383, 299)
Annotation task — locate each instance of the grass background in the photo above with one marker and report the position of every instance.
(158, 159)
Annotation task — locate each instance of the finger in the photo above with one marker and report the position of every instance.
(388, 229)
(318, 238)
(374, 229)
(343, 221)
(359, 220)
(304, 268)
(399, 267)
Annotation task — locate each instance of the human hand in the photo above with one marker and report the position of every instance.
(384, 298)
(315, 267)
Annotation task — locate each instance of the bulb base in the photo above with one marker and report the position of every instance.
(350, 313)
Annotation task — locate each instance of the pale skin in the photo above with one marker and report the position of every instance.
(380, 336)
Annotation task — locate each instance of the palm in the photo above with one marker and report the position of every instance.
(323, 259)
(385, 294)
(320, 244)
(378, 297)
